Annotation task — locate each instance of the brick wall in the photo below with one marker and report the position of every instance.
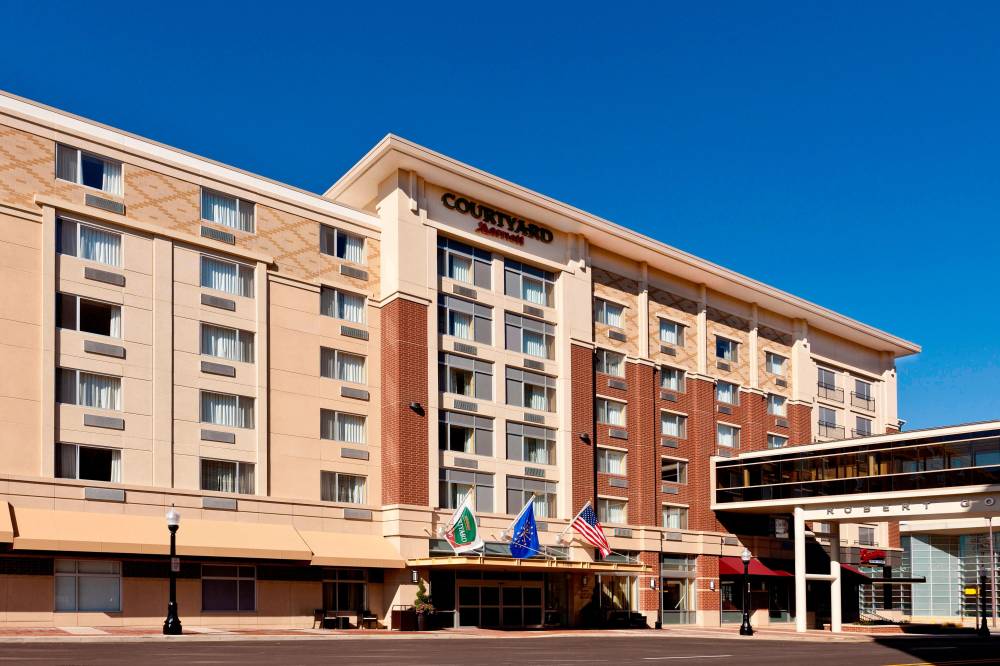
(647, 597)
(644, 461)
(800, 421)
(707, 567)
(582, 418)
(404, 381)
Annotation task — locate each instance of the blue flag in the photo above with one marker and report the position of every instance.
(524, 533)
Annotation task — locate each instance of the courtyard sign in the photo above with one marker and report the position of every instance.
(915, 508)
(496, 223)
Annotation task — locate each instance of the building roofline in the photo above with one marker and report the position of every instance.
(404, 154)
(100, 133)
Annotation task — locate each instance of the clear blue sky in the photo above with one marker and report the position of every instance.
(845, 152)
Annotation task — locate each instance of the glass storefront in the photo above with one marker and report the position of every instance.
(677, 574)
(950, 563)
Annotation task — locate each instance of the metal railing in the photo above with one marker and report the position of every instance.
(831, 430)
(830, 392)
(861, 433)
(862, 401)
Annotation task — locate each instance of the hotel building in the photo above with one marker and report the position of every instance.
(314, 381)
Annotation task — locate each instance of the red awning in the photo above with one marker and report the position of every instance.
(856, 571)
(733, 566)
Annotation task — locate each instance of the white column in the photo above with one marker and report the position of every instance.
(702, 330)
(754, 353)
(835, 581)
(799, 525)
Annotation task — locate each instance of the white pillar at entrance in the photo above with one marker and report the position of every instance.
(835, 580)
(799, 527)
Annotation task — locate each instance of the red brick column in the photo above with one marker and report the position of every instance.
(707, 570)
(800, 422)
(404, 381)
(755, 421)
(647, 596)
(894, 541)
(582, 419)
(702, 446)
(644, 461)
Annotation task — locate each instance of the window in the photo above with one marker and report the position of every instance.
(776, 405)
(673, 425)
(227, 210)
(82, 314)
(464, 263)
(337, 364)
(610, 412)
(675, 517)
(338, 487)
(341, 304)
(606, 312)
(83, 168)
(341, 426)
(671, 333)
(235, 411)
(863, 389)
(776, 442)
(85, 241)
(90, 463)
(866, 536)
(726, 349)
(774, 363)
(227, 276)
(529, 336)
(827, 416)
(228, 343)
(88, 586)
(519, 490)
(466, 376)
(727, 436)
(345, 590)
(88, 389)
(529, 283)
(532, 444)
(531, 390)
(455, 484)
(673, 471)
(863, 426)
(465, 433)
(611, 461)
(465, 319)
(228, 588)
(612, 511)
(727, 393)
(671, 379)
(227, 476)
(611, 363)
(827, 378)
(340, 244)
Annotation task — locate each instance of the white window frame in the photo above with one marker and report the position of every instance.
(678, 332)
(769, 362)
(605, 451)
(77, 298)
(240, 405)
(78, 224)
(682, 424)
(736, 435)
(238, 466)
(79, 168)
(735, 390)
(337, 353)
(336, 486)
(685, 513)
(240, 335)
(76, 464)
(240, 275)
(681, 378)
(602, 362)
(624, 411)
(76, 576)
(734, 349)
(337, 413)
(603, 502)
(601, 312)
(324, 245)
(240, 203)
(775, 436)
(777, 405)
(682, 470)
(76, 389)
(338, 293)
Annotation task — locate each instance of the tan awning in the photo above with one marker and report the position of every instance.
(42, 529)
(352, 550)
(6, 525)
(530, 564)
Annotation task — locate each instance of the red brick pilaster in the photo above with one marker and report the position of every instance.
(582, 418)
(702, 446)
(754, 421)
(643, 442)
(404, 381)
(707, 568)
(894, 541)
(647, 596)
(800, 422)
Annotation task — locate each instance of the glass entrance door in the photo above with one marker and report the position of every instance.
(500, 604)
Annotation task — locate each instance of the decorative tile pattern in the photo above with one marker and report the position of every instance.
(28, 167)
(683, 311)
(735, 328)
(622, 290)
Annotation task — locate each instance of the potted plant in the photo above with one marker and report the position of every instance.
(422, 605)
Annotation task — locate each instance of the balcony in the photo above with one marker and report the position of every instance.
(829, 392)
(862, 401)
(861, 433)
(830, 430)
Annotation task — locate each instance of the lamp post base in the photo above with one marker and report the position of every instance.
(746, 629)
(172, 625)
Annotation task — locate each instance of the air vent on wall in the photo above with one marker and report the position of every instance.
(351, 271)
(466, 405)
(668, 396)
(724, 409)
(669, 443)
(722, 366)
(534, 312)
(617, 335)
(618, 433)
(534, 365)
(465, 349)
(219, 235)
(534, 418)
(617, 384)
(669, 351)
(781, 423)
(465, 291)
(467, 463)
(780, 382)
(352, 332)
(105, 204)
(534, 471)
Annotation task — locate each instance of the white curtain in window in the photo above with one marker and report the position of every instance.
(219, 208)
(351, 307)
(352, 248)
(544, 505)
(351, 489)
(536, 451)
(116, 466)
(535, 397)
(218, 475)
(99, 391)
(463, 437)
(246, 478)
(221, 342)
(351, 428)
(613, 315)
(67, 386)
(67, 163)
(101, 246)
(614, 462)
(460, 268)
(670, 380)
(460, 325)
(615, 512)
(533, 344)
(351, 368)
(726, 393)
(220, 275)
(668, 332)
(246, 216)
(533, 291)
(671, 425)
(112, 179)
(613, 364)
(327, 486)
(727, 436)
(613, 413)
(116, 323)
(220, 409)
(67, 461)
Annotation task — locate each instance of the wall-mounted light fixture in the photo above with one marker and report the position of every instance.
(417, 408)
(584, 437)
(414, 576)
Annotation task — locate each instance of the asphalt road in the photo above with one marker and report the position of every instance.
(520, 650)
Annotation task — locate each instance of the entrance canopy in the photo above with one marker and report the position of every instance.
(530, 564)
(733, 566)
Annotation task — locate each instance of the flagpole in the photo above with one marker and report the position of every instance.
(518, 516)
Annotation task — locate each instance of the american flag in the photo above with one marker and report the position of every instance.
(590, 529)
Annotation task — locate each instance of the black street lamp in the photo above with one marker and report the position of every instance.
(983, 631)
(172, 625)
(745, 628)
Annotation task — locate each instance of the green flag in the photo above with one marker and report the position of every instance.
(463, 530)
